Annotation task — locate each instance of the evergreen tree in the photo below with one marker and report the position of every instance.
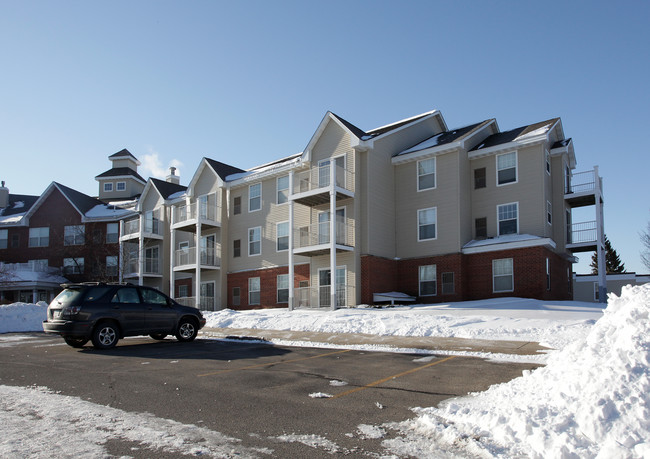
(613, 262)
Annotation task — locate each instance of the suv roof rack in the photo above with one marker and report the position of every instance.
(73, 284)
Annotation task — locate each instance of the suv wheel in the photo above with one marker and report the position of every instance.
(105, 335)
(187, 330)
(75, 342)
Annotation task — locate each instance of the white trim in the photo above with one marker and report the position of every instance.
(108, 187)
(277, 288)
(249, 197)
(499, 221)
(248, 241)
(259, 279)
(512, 265)
(435, 280)
(496, 163)
(277, 237)
(117, 186)
(435, 224)
(435, 174)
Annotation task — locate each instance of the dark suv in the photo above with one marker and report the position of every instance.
(104, 313)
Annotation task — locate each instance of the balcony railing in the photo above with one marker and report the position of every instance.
(132, 227)
(579, 233)
(583, 182)
(319, 177)
(320, 297)
(207, 303)
(191, 212)
(152, 266)
(208, 256)
(319, 234)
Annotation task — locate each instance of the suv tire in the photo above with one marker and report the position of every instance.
(75, 342)
(105, 335)
(187, 330)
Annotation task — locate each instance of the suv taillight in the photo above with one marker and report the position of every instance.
(71, 311)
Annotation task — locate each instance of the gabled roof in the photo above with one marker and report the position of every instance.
(124, 153)
(223, 170)
(517, 134)
(18, 204)
(442, 138)
(82, 202)
(121, 172)
(166, 189)
(398, 124)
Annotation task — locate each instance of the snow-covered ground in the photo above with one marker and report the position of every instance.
(592, 399)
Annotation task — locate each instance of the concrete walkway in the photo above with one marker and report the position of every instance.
(409, 342)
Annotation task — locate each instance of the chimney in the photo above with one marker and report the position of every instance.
(4, 196)
(172, 177)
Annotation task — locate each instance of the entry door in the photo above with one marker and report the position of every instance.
(324, 283)
(207, 296)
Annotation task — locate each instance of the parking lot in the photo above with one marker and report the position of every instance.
(264, 395)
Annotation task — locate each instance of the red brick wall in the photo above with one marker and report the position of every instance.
(378, 275)
(268, 286)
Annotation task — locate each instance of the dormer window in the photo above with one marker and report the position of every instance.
(121, 186)
(108, 187)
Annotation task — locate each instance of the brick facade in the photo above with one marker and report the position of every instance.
(268, 286)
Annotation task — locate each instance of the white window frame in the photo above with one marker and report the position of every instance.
(516, 167)
(282, 279)
(76, 232)
(516, 204)
(549, 213)
(420, 175)
(434, 280)
(251, 197)
(108, 187)
(42, 236)
(341, 300)
(282, 194)
(435, 224)
(111, 265)
(277, 236)
(116, 233)
(259, 229)
(251, 284)
(76, 263)
(511, 274)
(4, 238)
(120, 186)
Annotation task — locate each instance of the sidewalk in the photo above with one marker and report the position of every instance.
(408, 342)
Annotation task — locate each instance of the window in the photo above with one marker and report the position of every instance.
(39, 237)
(38, 265)
(151, 260)
(254, 241)
(236, 205)
(502, 275)
(507, 168)
(151, 222)
(480, 227)
(74, 235)
(548, 162)
(549, 212)
(428, 280)
(236, 248)
(448, 283)
(15, 241)
(283, 288)
(507, 218)
(108, 187)
(324, 169)
(111, 265)
(479, 178)
(120, 186)
(112, 231)
(426, 174)
(73, 266)
(596, 292)
(183, 291)
(236, 296)
(282, 236)
(427, 224)
(548, 274)
(4, 238)
(152, 297)
(283, 189)
(255, 197)
(254, 290)
(126, 295)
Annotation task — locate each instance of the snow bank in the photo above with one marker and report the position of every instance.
(22, 317)
(591, 400)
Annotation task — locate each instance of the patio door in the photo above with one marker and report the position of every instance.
(324, 227)
(324, 283)
(207, 296)
(207, 250)
(324, 172)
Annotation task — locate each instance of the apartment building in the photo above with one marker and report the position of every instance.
(437, 214)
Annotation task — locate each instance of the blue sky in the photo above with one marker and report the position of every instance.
(248, 82)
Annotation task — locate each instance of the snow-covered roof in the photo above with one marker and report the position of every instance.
(443, 138)
(509, 241)
(521, 134)
(266, 169)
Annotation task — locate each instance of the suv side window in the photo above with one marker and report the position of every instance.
(95, 293)
(153, 297)
(126, 295)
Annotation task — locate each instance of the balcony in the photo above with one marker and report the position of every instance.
(314, 240)
(312, 187)
(208, 258)
(582, 237)
(187, 217)
(320, 297)
(581, 188)
(151, 268)
(153, 229)
(207, 303)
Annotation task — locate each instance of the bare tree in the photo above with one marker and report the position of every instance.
(645, 241)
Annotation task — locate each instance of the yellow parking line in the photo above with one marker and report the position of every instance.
(376, 383)
(273, 363)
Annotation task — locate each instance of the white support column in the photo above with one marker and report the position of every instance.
(141, 250)
(197, 275)
(600, 240)
(291, 267)
(120, 255)
(172, 257)
(332, 235)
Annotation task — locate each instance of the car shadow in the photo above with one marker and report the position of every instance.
(199, 349)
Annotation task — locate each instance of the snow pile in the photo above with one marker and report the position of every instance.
(21, 317)
(591, 400)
